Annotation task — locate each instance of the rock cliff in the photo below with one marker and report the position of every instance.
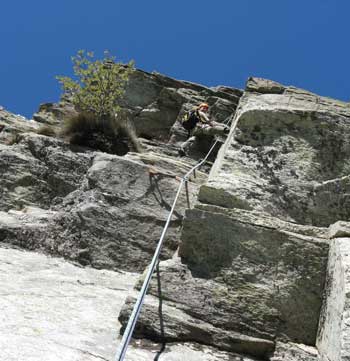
(254, 267)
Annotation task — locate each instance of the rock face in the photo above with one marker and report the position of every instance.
(37, 170)
(53, 310)
(334, 337)
(11, 125)
(242, 282)
(266, 287)
(99, 209)
(154, 102)
(294, 352)
(289, 159)
(250, 269)
(54, 113)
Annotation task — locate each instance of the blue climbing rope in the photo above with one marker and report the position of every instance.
(140, 299)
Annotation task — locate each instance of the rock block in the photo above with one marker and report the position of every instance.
(270, 281)
(333, 340)
(289, 158)
(339, 229)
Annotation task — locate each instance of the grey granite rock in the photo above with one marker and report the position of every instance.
(333, 339)
(154, 101)
(54, 113)
(109, 211)
(262, 268)
(252, 258)
(39, 169)
(339, 229)
(181, 327)
(289, 158)
(264, 86)
(253, 252)
(54, 310)
(11, 126)
(237, 278)
(294, 352)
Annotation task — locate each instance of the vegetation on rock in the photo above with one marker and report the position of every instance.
(99, 84)
(110, 134)
(100, 123)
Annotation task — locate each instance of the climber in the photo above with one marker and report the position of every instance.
(197, 123)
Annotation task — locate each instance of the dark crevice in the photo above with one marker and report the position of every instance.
(160, 313)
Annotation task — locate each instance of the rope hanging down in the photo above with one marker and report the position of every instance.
(137, 307)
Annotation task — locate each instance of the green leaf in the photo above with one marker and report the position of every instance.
(99, 84)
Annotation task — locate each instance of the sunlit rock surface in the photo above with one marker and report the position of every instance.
(54, 310)
(254, 250)
(249, 269)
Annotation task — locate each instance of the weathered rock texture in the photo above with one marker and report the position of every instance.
(154, 102)
(294, 352)
(270, 290)
(253, 254)
(103, 210)
(11, 125)
(99, 209)
(54, 113)
(250, 273)
(289, 158)
(334, 336)
(53, 310)
(242, 282)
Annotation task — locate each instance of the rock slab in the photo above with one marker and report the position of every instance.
(53, 310)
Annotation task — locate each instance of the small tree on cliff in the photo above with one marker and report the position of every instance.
(98, 86)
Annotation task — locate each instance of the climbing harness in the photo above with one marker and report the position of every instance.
(137, 307)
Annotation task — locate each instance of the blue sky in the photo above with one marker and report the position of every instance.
(305, 43)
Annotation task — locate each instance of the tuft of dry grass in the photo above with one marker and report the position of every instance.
(112, 134)
(122, 123)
